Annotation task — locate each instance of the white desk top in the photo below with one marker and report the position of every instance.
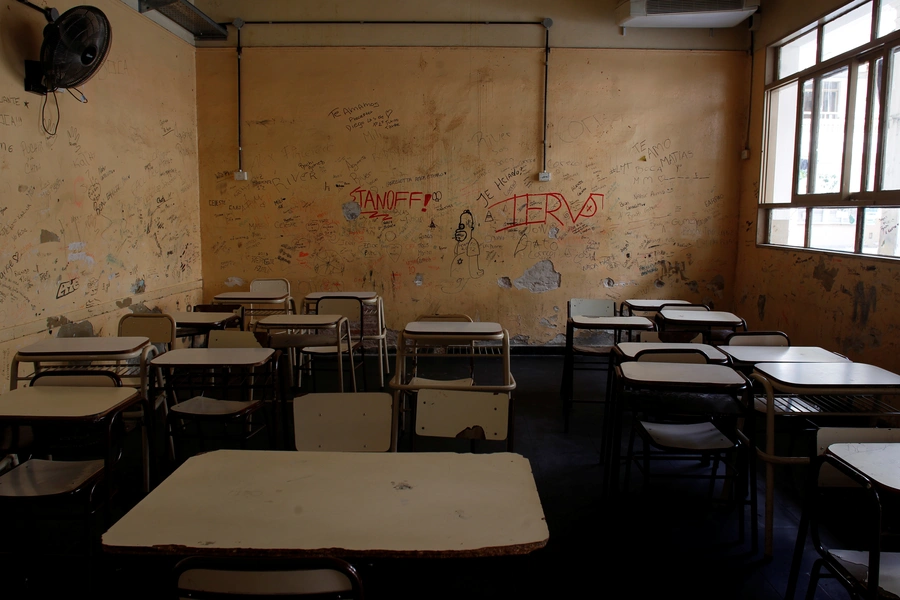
(258, 297)
(415, 504)
(586, 322)
(213, 357)
(830, 378)
(877, 460)
(630, 349)
(58, 402)
(452, 328)
(84, 346)
(750, 355)
(357, 295)
(681, 374)
(649, 304)
(700, 317)
(276, 321)
(201, 318)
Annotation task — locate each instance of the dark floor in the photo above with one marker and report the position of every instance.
(665, 541)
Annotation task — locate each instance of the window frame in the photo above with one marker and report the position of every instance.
(869, 53)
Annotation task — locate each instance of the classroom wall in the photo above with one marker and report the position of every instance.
(101, 218)
(413, 172)
(845, 303)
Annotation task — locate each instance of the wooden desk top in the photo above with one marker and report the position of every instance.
(649, 304)
(585, 322)
(58, 402)
(750, 355)
(351, 504)
(700, 317)
(84, 346)
(878, 460)
(245, 297)
(829, 378)
(213, 357)
(281, 321)
(356, 295)
(452, 328)
(660, 374)
(202, 318)
(630, 349)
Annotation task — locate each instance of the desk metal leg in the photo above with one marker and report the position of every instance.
(568, 375)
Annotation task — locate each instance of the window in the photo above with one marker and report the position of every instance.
(831, 165)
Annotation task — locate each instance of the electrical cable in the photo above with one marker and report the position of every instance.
(43, 122)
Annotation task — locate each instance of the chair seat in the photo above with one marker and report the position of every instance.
(38, 478)
(455, 383)
(857, 563)
(327, 349)
(592, 350)
(687, 436)
(200, 406)
(300, 340)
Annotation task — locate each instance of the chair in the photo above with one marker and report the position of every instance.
(266, 578)
(161, 330)
(669, 337)
(353, 310)
(458, 382)
(374, 329)
(194, 332)
(758, 338)
(343, 422)
(464, 414)
(42, 487)
(584, 356)
(222, 400)
(682, 427)
(269, 286)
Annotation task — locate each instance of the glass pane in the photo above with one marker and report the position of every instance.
(829, 153)
(874, 131)
(805, 130)
(880, 231)
(889, 19)
(847, 32)
(787, 226)
(859, 127)
(890, 175)
(833, 229)
(780, 143)
(797, 55)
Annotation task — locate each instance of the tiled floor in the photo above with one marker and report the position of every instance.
(666, 541)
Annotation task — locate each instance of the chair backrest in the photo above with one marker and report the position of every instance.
(159, 327)
(230, 338)
(346, 307)
(230, 577)
(684, 307)
(591, 307)
(685, 337)
(343, 422)
(758, 338)
(672, 356)
(825, 436)
(273, 286)
(77, 378)
(445, 318)
(462, 414)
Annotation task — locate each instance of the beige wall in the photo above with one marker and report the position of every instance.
(101, 217)
(845, 303)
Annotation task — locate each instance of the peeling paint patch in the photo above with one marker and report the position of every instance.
(559, 340)
(112, 260)
(659, 283)
(80, 329)
(692, 285)
(59, 321)
(505, 282)
(716, 285)
(419, 279)
(863, 302)
(351, 210)
(546, 323)
(124, 303)
(539, 278)
(520, 339)
(761, 306)
(138, 287)
(48, 236)
(234, 281)
(554, 231)
(825, 275)
(609, 282)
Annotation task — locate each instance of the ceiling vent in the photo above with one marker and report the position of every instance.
(187, 16)
(701, 14)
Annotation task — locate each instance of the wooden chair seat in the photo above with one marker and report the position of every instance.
(36, 478)
(200, 406)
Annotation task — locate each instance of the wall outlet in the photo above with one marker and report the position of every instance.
(543, 176)
(241, 175)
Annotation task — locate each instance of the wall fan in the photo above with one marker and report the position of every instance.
(75, 45)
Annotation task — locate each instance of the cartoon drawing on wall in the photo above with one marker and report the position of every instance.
(465, 255)
(328, 262)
